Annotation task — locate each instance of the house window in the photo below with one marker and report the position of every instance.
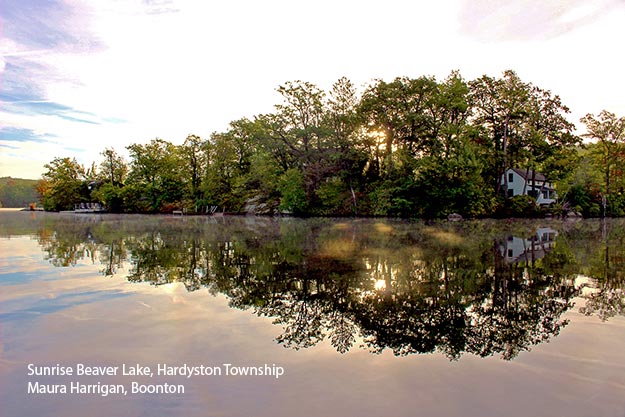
(510, 192)
(510, 253)
(510, 177)
(545, 194)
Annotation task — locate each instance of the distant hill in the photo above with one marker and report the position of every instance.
(17, 192)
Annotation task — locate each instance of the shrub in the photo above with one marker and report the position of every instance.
(521, 206)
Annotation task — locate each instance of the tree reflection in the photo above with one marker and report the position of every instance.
(606, 291)
(474, 287)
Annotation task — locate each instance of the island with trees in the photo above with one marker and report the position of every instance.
(411, 147)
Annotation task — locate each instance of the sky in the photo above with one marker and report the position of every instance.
(78, 76)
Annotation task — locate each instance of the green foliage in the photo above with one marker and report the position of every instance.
(63, 184)
(616, 203)
(524, 125)
(608, 155)
(111, 195)
(399, 113)
(262, 179)
(17, 192)
(194, 158)
(392, 198)
(453, 186)
(521, 206)
(410, 147)
(156, 174)
(135, 199)
(581, 200)
(113, 168)
(291, 187)
(334, 198)
(229, 159)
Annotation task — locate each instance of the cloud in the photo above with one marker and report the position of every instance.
(160, 6)
(529, 20)
(26, 306)
(17, 134)
(40, 116)
(47, 24)
(21, 78)
(101, 72)
(36, 107)
(34, 34)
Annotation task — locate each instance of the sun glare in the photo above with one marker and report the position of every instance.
(380, 285)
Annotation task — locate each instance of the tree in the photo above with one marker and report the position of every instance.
(349, 155)
(450, 172)
(262, 181)
(155, 179)
(300, 120)
(547, 136)
(193, 153)
(63, 184)
(499, 105)
(113, 168)
(297, 135)
(109, 182)
(409, 147)
(453, 184)
(609, 132)
(314, 135)
(293, 193)
(398, 112)
(449, 110)
(399, 122)
(229, 160)
(526, 127)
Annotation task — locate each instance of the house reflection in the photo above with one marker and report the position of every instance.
(516, 249)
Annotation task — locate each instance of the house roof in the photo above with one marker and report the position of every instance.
(528, 175)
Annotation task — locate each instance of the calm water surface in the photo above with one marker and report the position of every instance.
(364, 317)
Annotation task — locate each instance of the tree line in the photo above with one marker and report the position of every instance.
(17, 192)
(409, 148)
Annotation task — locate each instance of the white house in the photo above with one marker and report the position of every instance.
(528, 182)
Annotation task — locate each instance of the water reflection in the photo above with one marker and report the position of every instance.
(478, 287)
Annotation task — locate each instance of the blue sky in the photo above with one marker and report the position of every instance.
(79, 76)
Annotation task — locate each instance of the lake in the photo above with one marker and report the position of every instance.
(111, 315)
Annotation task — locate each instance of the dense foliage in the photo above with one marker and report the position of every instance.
(17, 192)
(410, 148)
